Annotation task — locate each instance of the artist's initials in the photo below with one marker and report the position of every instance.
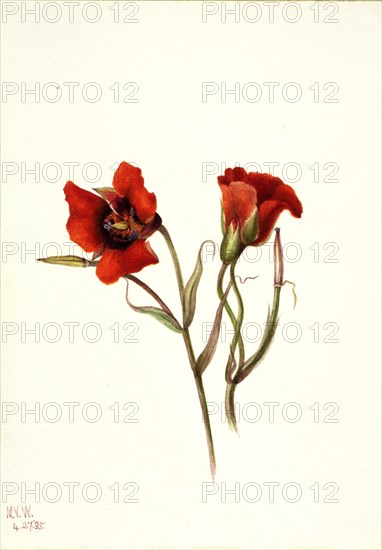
(13, 512)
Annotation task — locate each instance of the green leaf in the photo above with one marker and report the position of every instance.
(190, 290)
(159, 314)
(70, 261)
(207, 354)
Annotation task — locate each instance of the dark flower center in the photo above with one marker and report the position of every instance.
(122, 228)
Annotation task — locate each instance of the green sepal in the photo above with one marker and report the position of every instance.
(222, 219)
(70, 261)
(230, 246)
(250, 229)
(190, 290)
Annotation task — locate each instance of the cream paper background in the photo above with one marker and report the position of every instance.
(170, 133)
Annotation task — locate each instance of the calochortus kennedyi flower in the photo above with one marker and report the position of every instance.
(251, 204)
(116, 224)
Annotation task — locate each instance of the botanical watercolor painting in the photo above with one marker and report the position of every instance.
(115, 223)
(191, 319)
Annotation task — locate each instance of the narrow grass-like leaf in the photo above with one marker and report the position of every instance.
(159, 314)
(190, 290)
(207, 354)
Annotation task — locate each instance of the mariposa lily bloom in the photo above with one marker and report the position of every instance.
(116, 224)
(252, 203)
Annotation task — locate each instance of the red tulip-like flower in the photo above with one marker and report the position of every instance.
(116, 224)
(252, 203)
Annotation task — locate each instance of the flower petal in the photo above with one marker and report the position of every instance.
(269, 211)
(239, 201)
(86, 214)
(265, 185)
(116, 263)
(129, 183)
(286, 194)
(233, 174)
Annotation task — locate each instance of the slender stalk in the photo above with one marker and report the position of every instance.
(245, 368)
(230, 406)
(253, 361)
(150, 291)
(228, 308)
(266, 342)
(237, 341)
(190, 352)
(272, 319)
(175, 259)
(207, 424)
(240, 316)
(231, 386)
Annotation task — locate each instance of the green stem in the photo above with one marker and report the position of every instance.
(207, 424)
(240, 316)
(150, 291)
(230, 390)
(270, 331)
(175, 259)
(190, 352)
(228, 308)
(237, 341)
(230, 406)
(246, 368)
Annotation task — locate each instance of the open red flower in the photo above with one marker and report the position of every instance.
(252, 194)
(116, 224)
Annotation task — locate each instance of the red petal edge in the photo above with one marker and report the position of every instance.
(129, 183)
(116, 263)
(86, 213)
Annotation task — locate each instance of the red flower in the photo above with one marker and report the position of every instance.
(115, 226)
(244, 193)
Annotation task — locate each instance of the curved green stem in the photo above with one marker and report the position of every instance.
(228, 308)
(150, 291)
(266, 342)
(237, 341)
(231, 386)
(145, 287)
(272, 319)
(175, 259)
(190, 352)
(240, 316)
(248, 366)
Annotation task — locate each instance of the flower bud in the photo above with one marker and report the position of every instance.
(278, 260)
(71, 261)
